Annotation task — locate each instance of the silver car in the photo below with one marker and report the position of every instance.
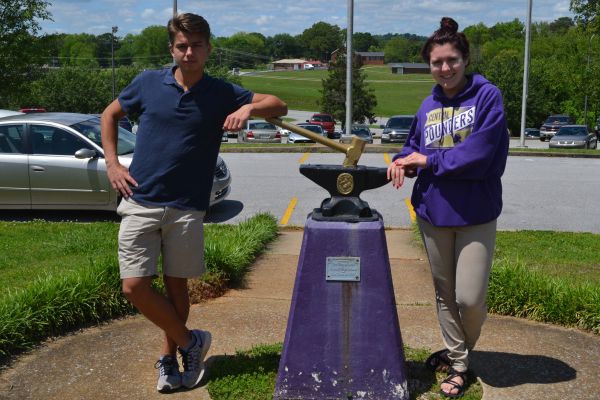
(297, 138)
(362, 131)
(573, 137)
(55, 161)
(258, 131)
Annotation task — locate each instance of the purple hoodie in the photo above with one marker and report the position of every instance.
(466, 147)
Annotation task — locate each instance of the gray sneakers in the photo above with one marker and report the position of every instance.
(193, 360)
(169, 377)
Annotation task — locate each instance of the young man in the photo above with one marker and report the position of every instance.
(166, 191)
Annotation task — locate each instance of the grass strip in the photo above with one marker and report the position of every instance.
(52, 305)
(518, 291)
(231, 252)
(544, 286)
(250, 375)
(58, 302)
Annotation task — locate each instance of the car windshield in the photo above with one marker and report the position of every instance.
(360, 131)
(400, 123)
(558, 119)
(261, 125)
(312, 128)
(91, 129)
(322, 118)
(572, 131)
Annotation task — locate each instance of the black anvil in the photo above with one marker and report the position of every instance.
(345, 184)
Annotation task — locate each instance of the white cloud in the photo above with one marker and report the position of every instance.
(289, 16)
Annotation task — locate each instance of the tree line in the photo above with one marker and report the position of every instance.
(72, 72)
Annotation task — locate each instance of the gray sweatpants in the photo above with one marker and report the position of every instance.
(460, 259)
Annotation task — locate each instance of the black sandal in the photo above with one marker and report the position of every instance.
(461, 388)
(438, 361)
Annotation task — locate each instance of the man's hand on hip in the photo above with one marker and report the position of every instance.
(120, 180)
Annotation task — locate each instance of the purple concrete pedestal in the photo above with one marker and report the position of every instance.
(343, 337)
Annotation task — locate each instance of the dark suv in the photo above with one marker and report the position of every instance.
(396, 129)
(552, 125)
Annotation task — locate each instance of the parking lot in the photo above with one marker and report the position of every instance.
(547, 193)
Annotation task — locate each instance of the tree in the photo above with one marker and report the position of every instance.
(320, 40)
(333, 93)
(478, 35)
(397, 49)
(75, 89)
(151, 47)
(364, 41)
(586, 13)
(242, 49)
(561, 25)
(19, 22)
(79, 50)
(283, 45)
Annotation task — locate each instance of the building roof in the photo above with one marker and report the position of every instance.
(290, 61)
(370, 53)
(409, 65)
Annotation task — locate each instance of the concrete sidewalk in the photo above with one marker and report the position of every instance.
(515, 359)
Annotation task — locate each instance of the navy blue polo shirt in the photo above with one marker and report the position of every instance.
(178, 137)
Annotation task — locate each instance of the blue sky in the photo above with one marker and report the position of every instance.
(270, 17)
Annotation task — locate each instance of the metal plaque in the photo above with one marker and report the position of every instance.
(342, 269)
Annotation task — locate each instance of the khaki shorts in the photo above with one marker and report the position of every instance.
(146, 231)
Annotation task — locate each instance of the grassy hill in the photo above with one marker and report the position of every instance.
(396, 94)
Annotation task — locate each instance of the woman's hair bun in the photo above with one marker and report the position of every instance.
(448, 24)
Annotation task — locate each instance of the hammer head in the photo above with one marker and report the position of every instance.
(354, 151)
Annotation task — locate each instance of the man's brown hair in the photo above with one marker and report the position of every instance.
(188, 23)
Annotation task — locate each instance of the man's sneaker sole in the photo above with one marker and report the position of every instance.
(206, 339)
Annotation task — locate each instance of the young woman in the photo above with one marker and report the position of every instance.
(457, 149)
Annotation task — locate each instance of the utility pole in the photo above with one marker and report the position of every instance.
(349, 59)
(525, 76)
(587, 68)
(112, 56)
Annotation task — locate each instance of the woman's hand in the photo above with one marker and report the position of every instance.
(405, 168)
(396, 173)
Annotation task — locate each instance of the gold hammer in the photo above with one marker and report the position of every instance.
(353, 151)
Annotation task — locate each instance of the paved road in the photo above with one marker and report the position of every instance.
(540, 193)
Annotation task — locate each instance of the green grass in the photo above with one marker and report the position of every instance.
(570, 256)
(396, 94)
(545, 276)
(250, 375)
(63, 275)
(30, 250)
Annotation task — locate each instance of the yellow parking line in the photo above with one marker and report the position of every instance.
(387, 159)
(304, 157)
(288, 212)
(411, 210)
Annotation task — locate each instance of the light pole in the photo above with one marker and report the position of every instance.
(112, 56)
(349, 60)
(525, 76)
(587, 68)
